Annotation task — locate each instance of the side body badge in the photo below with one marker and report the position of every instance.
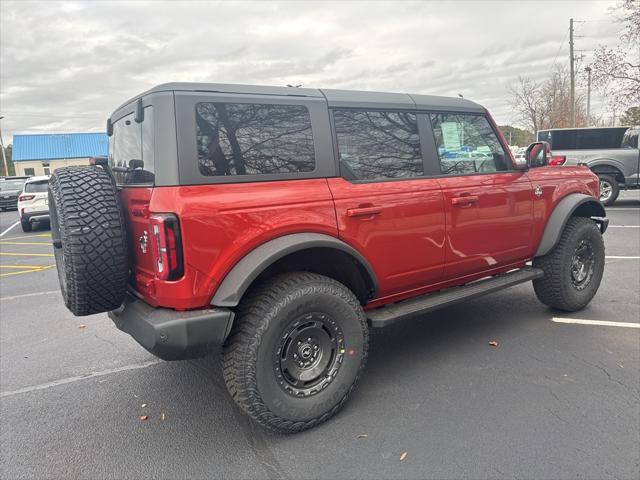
(537, 191)
(144, 240)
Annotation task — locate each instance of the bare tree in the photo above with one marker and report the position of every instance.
(546, 104)
(617, 70)
(527, 100)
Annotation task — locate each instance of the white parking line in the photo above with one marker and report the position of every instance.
(595, 322)
(624, 226)
(621, 257)
(63, 381)
(36, 294)
(8, 229)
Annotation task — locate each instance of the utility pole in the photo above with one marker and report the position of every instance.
(573, 75)
(4, 155)
(588, 70)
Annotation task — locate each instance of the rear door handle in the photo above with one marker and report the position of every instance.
(363, 211)
(464, 201)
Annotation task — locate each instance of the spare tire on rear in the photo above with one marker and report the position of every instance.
(89, 243)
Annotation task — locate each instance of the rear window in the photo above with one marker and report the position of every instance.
(7, 185)
(253, 139)
(583, 139)
(131, 153)
(36, 187)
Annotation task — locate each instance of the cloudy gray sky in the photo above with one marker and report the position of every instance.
(66, 65)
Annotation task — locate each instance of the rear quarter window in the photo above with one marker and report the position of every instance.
(131, 153)
(253, 139)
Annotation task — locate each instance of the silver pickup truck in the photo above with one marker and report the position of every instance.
(611, 153)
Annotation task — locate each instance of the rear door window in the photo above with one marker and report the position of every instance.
(376, 145)
(131, 153)
(467, 144)
(253, 139)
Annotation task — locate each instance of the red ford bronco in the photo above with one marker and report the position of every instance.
(281, 224)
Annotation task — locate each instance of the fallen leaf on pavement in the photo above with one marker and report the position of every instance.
(362, 435)
(163, 417)
(143, 405)
(82, 326)
(143, 418)
(493, 343)
(403, 455)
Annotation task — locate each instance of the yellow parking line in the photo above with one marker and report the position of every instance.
(31, 236)
(4, 242)
(25, 271)
(24, 266)
(12, 254)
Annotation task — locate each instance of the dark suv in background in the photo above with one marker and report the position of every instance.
(10, 190)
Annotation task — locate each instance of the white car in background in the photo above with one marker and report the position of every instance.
(33, 203)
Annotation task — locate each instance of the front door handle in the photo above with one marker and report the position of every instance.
(363, 211)
(464, 200)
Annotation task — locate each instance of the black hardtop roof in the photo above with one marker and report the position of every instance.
(335, 98)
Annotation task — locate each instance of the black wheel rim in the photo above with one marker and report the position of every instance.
(309, 354)
(582, 265)
(606, 190)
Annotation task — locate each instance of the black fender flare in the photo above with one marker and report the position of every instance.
(242, 275)
(577, 204)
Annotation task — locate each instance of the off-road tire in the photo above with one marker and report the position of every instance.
(26, 225)
(555, 288)
(89, 239)
(263, 316)
(615, 188)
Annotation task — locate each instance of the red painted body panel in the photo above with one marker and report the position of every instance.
(404, 242)
(557, 183)
(220, 224)
(495, 229)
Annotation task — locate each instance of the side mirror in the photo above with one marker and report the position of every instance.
(537, 154)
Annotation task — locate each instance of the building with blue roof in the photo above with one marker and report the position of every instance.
(41, 154)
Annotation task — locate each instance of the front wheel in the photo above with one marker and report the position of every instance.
(296, 351)
(609, 189)
(573, 269)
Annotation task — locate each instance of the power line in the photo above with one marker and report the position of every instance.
(559, 49)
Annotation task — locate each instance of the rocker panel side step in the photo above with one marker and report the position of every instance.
(381, 317)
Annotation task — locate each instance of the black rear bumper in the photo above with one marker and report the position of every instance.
(36, 216)
(173, 335)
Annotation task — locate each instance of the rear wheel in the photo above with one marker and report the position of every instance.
(88, 235)
(609, 189)
(573, 269)
(296, 350)
(26, 225)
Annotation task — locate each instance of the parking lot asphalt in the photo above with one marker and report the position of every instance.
(552, 400)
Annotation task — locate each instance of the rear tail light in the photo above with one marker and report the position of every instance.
(557, 160)
(24, 198)
(166, 246)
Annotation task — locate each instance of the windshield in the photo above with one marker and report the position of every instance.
(36, 187)
(7, 185)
